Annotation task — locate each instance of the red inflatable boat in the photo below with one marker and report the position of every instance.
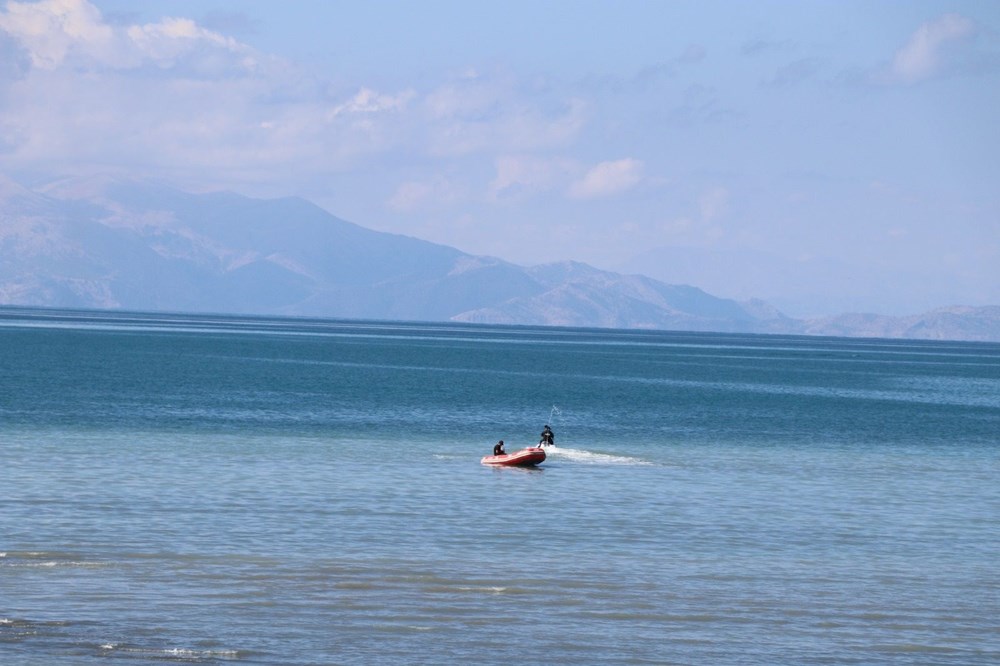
(523, 458)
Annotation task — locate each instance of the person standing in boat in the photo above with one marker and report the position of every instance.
(548, 437)
(498, 449)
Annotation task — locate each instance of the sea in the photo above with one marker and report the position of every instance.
(196, 489)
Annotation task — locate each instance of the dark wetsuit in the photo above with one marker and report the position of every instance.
(498, 450)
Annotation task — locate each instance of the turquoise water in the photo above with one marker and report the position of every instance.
(188, 489)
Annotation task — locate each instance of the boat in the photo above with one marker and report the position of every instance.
(528, 457)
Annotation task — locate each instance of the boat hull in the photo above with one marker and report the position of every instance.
(528, 457)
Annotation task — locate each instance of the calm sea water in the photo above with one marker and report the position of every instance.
(180, 489)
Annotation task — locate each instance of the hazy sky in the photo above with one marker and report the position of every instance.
(822, 155)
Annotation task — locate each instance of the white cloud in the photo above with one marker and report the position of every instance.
(922, 56)
(471, 95)
(369, 101)
(173, 97)
(49, 30)
(173, 40)
(59, 32)
(520, 175)
(608, 179)
(479, 113)
(170, 97)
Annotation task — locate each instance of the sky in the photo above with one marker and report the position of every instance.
(823, 156)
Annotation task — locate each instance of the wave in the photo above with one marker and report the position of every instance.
(180, 654)
(42, 559)
(13, 629)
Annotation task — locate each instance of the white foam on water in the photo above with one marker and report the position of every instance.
(185, 654)
(448, 456)
(592, 457)
(493, 589)
(52, 564)
(47, 560)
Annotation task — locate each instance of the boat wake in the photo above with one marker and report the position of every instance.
(591, 457)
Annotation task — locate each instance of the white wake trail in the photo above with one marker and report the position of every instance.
(592, 457)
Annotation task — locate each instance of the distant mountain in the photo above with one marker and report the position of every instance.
(107, 243)
(575, 294)
(120, 244)
(953, 323)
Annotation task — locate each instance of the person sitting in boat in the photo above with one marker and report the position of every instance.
(498, 449)
(548, 437)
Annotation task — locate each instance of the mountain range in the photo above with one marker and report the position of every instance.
(109, 243)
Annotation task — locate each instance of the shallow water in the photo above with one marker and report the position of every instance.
(233, 490)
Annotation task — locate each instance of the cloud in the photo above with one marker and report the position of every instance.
(608, 179)
(80, 92)
(924, 54)
(155, 99)
(73, 32)
(49, 30)
(521, 175)
(173, 99)
(478, 113)
(174, 41)
(368, 101)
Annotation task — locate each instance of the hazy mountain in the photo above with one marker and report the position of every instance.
(575, 294)
(953, 323)
(111, 243)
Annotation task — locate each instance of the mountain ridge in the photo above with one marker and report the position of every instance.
(111, 243)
